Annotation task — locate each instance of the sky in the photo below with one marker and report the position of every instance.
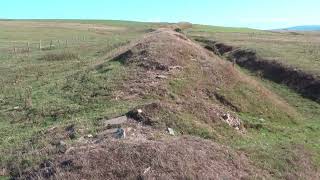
(259, 14)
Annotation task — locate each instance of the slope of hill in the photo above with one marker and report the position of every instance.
(304, 28)
(182, 110)
(190, 90)
(298, 50)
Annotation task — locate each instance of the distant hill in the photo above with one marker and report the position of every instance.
(304, 28)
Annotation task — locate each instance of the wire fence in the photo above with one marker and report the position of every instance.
(17, 47)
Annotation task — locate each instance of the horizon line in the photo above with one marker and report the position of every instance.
(138, 21)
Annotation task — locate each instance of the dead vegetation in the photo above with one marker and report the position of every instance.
(187, 79)
(153, 52)
(176, 158)
(59, 56)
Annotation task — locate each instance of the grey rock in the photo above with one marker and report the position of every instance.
(120, 134)
(171, 131)
(116, 121)
(61, 147)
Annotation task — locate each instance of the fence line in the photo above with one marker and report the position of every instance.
(41, 45)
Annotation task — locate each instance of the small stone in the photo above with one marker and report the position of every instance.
(89, 136)
(147, 170)
(120, 134)
(226, 116)
(116, 121)
(82, 140)
(171, 131)
(70, 150)
(62, 143)
(16, 108)
(62, 147)
(71, 131)
(161, 77)
(139, 111)
(66, 163)
(231, 120)
(47, 169)
(175, 67)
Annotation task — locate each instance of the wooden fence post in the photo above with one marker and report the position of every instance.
(28, 46)
(51, 43)
(66, 43)
(40, 46)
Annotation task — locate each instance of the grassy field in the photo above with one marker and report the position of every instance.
(56, 87)
(300, 50)
(277, 145)
(271, 143)
(34, 93)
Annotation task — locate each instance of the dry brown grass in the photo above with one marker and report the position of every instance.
(66, 25)
(59, 56)
(202, 73)
(173, 158)
(165, 47)
(304, 164)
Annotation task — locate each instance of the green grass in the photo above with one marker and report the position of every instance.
(217, 29)
(273, 140)
(62, 83)
(79, 89)
(300, 50)
(272, 143)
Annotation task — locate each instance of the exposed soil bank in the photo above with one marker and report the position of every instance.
(304, 83)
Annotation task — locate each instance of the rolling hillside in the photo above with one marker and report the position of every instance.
(131, 100)
(304, 28)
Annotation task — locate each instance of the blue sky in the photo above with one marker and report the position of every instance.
(262, 14)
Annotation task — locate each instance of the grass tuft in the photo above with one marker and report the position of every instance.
(59, 56)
